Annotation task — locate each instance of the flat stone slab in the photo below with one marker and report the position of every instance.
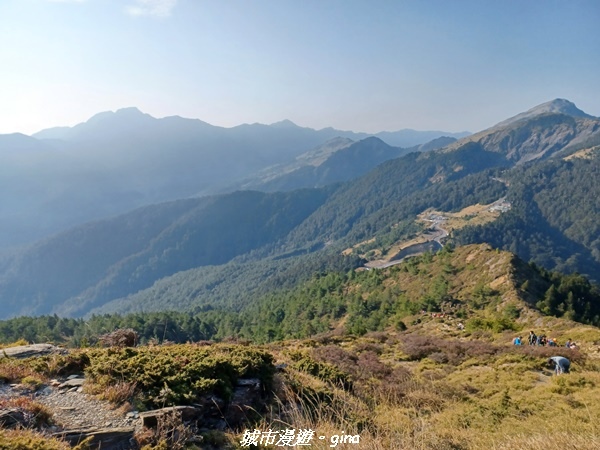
(104, 439)
(75, 382)
(27, 351)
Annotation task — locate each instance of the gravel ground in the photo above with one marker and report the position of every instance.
(72, 409)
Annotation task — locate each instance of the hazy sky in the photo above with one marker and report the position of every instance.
(361, 65)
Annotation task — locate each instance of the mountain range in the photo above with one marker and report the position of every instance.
(118, 161)
(225, 250)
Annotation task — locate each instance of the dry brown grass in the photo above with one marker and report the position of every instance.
(124, 337)
(118, 393)
(37, 415)
(170, 433)
(13, 371)
(454, 393)
(28, 439)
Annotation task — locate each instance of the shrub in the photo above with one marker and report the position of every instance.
(60, 365)
(333, 354)
(378, 336)
(179, 374)
(27, 440)
(36, 414)
(453, 351)
(18, 343)
(369, 366)
(322, 370)
(171, 433)
(32, 382)
(14, 370)
(497, 325)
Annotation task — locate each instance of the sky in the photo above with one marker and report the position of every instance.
(354, 65)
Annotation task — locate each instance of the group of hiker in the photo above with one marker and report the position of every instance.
(542, 340)
(559, 364)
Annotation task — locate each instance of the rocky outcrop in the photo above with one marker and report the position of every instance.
(105, 439)
(213, 412)
(27, 351)
(13, 418)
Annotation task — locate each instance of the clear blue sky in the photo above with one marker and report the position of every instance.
(366, 66)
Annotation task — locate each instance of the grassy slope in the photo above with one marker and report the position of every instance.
(434, 386)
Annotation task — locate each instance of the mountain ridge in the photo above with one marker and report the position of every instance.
(315, 225)
(538, 133)
(556, 106)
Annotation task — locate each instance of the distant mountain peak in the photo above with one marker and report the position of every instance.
(559, 105)
(556, 106)
(130, 110)
(286, 123)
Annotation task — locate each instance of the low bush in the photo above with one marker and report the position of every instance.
(497, 325)
(18, 343)
(60, 365)
(333, 354)
(179, 374)
(36, 414)
(325, 371)
(452, 351)
(27, 440)
(32, 382)
(171, 433)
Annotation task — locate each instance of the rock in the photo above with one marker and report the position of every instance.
(75, 382)
(248, 382)
(246, 396)
(73, 377)
(105, 439)
(12, 418)
(188, 413)
(27, 351)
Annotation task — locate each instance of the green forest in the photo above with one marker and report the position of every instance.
(366, 301)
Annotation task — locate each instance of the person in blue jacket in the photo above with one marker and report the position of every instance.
(560, 364)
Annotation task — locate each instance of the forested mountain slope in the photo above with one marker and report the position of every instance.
(486, 289)
(555, 218)
(230, 249)
(94, 263)
(346, 162)
(118, 161)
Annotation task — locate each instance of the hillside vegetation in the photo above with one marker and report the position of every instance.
(485, 289)
(418, 355)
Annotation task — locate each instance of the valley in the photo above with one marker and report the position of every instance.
(372, 290)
